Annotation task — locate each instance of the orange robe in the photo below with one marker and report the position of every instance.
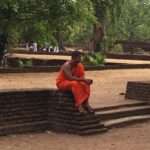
(80, 90)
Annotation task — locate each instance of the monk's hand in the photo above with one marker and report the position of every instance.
(88, 81)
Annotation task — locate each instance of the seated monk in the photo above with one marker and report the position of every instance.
(71, 78)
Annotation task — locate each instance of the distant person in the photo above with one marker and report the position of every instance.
(71, 78)
(27, 45)
(35, 47)
(31, 45)
(56, 49)
(51, 49)
(3, 44)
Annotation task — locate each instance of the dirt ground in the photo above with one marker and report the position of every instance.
(62, 57)
(105, 91)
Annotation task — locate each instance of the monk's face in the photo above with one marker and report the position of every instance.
(76, 60)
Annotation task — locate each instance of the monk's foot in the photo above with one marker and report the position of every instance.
(82, 110)
(89, 108)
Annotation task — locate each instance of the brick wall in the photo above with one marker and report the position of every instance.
(128, 56)
(27, 110)
(138, 90)
(38, 110)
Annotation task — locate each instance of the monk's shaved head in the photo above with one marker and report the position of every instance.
(75, 54)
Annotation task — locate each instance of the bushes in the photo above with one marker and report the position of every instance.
(25, 63)
(93, 59)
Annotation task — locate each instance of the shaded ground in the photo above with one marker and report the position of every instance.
(105, 91)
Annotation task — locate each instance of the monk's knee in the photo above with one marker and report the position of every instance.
(74, 83)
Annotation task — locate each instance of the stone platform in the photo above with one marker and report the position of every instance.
(39, 110)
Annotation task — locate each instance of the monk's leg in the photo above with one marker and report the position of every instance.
(80, 92)
(87, 106)
(81, 109)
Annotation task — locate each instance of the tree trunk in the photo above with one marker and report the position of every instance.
(95, 41)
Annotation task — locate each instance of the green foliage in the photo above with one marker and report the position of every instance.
(24, 63)
(44, 20)
(132, 23)
(72, 20)
(20, 63)
(117, 48)
(28, 63)
(93, 59)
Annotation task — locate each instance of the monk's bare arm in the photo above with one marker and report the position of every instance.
(67, 71)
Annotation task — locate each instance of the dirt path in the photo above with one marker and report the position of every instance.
(130, 138)
(105, 91)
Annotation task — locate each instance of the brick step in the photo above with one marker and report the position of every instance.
(23, 113)
(76, 115)
(74, 127)
(63, 99)
(121, 122)
(25, 92)
(63, 130)
(62, 104)
(75, 122)
(66, 109)
(21, 116)
(93, 131)
(24, 108)
(22, 101)
(21, 106)
(27, 109)
(61, 94)
(38, 126)
(123, 112)
(127, 105)
(17, 119)
(82, 133)
(71, 107)
(81, 119)
(20, 98)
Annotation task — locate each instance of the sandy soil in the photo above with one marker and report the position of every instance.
(116, 139)
(105, 91)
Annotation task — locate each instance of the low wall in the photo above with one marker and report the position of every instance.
(138, 90)
(38, 110)
(128, 56)
(14, 62)
(26, 110)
